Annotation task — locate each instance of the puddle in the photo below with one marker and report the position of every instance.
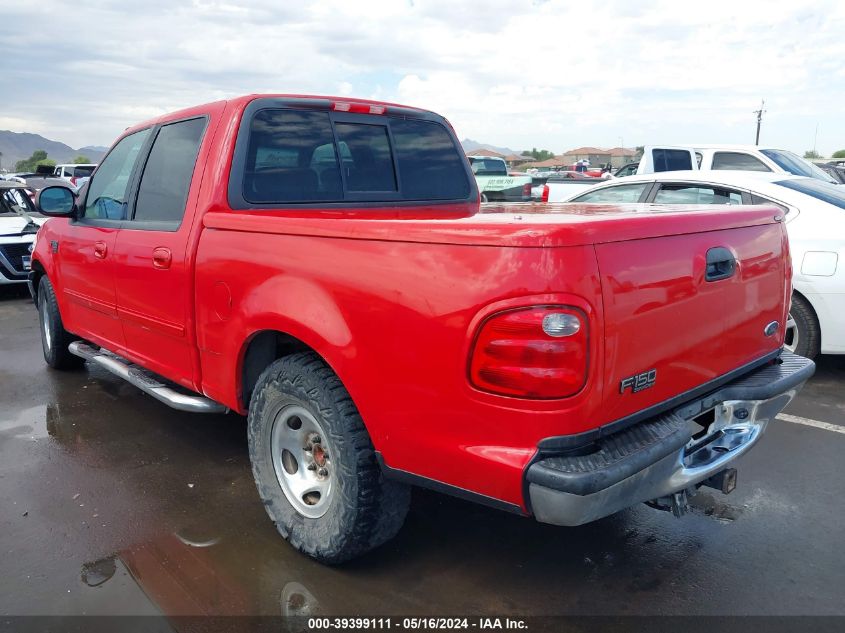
(100, 571)
(29, 423)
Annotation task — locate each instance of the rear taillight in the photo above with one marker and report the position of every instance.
(545, 197)
(537, 352)
(526, 190)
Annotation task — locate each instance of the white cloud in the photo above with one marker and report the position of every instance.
(552, 74)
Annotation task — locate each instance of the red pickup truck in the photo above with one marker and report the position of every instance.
(323, 266)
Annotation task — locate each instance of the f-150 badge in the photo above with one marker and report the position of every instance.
(638, 382)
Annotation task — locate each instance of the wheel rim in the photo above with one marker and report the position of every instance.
(302, 461)
(46, 334)
(792, 335)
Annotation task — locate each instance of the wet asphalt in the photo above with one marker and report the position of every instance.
(112, 503)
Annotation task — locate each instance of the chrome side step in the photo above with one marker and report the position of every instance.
(146, 381)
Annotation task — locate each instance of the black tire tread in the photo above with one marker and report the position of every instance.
(58, 357)
(810, 339)
(378, 509)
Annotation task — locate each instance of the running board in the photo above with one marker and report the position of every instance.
(146, 381)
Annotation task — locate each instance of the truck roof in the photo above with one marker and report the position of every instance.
(241, 102)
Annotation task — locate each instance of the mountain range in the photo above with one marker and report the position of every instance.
(15, 146)
(469, 145)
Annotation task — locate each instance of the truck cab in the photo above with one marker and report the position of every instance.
(759, 158)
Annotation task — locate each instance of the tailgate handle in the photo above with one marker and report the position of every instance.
(721, 264)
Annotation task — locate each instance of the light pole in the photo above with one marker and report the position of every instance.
(759, 114)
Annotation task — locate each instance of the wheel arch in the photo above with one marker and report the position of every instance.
(265, 346)
(37, 271)
(806, 298)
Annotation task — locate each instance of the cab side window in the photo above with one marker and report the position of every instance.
(696, 194)
(738, 161)
(163, 192)
(108, 191)
(619, 194)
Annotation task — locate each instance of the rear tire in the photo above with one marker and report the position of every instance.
(54, 337)
(803, 334)
(302, 422)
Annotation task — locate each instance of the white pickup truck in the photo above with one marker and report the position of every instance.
(495, 184)
(75, 174)
(657, 158)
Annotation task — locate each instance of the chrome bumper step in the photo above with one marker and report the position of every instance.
(660, 459)
(146, 381)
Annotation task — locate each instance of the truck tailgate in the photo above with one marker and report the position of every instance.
(668, 329)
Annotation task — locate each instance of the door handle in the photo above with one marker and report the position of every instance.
(162, 258)
(721, 264)
(100, 250)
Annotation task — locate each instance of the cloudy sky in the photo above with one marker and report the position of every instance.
(550, 74)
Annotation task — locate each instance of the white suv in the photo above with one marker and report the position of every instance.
(760, 158)
(77, 175)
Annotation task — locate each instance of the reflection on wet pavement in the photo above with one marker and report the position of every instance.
(112, 503)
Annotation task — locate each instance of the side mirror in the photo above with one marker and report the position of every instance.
(57, 202)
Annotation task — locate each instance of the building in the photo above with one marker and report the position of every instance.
(512, 160)
(598, 156)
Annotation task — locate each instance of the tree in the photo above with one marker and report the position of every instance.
(81, 160)
(811, 153)
(839, 154)
(30, 163)
(539, 155)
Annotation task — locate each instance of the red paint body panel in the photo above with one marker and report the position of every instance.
(392, 299)
(87, 294)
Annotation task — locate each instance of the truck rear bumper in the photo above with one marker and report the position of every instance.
(666, 455)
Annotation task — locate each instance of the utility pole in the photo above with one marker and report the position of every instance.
(759, 114)
(815, 138)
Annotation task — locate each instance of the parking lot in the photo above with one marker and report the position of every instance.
(112, 503)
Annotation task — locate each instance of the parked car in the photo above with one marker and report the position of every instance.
(562, 186)
(19, 222)
(495, 184)
(626, 170)
(815, 219)
(756, 158)
(380, 328)
(75, 174)
(19, 176)
(834, 169)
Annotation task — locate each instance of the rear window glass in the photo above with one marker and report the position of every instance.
(739, 161)
(430, 166)
(671, 159)
(280, 164)
(617, 195)
(488, 167)
(794, 164)
(369, 166)
(297, 156)
(824, 191)
(82, 172)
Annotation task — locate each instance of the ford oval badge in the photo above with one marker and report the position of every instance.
(771, 328)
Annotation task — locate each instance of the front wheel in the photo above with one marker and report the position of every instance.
(803, 334)
(315, 466)
(54, 337)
